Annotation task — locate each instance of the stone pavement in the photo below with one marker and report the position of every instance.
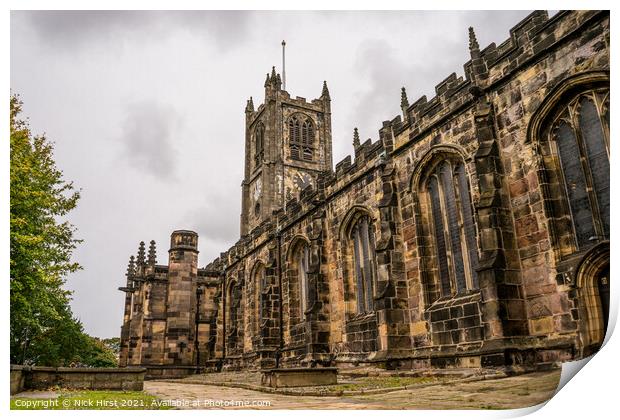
(511, 392)
(37, 394)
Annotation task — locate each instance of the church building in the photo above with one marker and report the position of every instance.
(472, 232)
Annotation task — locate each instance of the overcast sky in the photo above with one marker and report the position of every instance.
(147, 111)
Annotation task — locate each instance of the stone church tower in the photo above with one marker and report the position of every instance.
(288, 142)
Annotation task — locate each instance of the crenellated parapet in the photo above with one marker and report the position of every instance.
(486, 69)
(489, 67)
(273, 85)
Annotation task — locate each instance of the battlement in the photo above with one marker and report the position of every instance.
(490, 66)
(314, 104)
(343, 166)
(273, 88)
(487, 67)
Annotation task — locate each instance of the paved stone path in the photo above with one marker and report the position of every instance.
(512, 392)
(37, 394)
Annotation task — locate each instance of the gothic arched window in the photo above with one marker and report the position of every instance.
(301, 137)
(362, 242)
(260, 282)
(303, 263)
(259, 144)
(234, 299)
(579, 136)
(452, 228)
(298, 279)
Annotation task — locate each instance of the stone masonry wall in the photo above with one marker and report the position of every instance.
(36, 377)
(522, 304)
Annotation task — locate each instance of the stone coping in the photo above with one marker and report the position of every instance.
(43, 377)
(77, 369)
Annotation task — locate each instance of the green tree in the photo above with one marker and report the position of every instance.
(98, 354)
(113, 343)
(42, 327)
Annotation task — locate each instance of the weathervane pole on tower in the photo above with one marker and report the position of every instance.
(283, 66)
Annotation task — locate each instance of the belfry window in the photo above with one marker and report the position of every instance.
(259, 144)
(580, 138)
(301, 138)
(362, 241)
(452, 227)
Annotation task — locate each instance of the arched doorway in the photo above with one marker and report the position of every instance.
(602, 283)
(593, 284)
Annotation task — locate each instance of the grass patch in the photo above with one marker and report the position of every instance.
(92, 400)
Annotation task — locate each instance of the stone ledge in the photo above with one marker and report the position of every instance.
(299, 377)
(83, 370)
(41, 377)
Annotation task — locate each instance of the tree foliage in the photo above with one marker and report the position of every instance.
(98, 354)
(42, 327)
(113, 343)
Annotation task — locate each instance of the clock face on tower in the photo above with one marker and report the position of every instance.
(258, 188)
(302, 180)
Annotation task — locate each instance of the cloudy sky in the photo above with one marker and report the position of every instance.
(146, 110)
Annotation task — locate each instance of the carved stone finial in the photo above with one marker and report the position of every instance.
(356, 138)
(152, 257)
(404, 102)
(250, 105)
(473, 42)
(274, 80)
(131, 267)
(325, 93)
(140, 259)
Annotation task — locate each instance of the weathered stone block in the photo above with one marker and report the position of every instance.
(296, 377)
(541, 325)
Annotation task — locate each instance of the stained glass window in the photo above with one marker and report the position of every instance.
(452, 227)
(580, 134)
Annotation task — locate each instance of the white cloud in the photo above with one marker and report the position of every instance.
(148, 133)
